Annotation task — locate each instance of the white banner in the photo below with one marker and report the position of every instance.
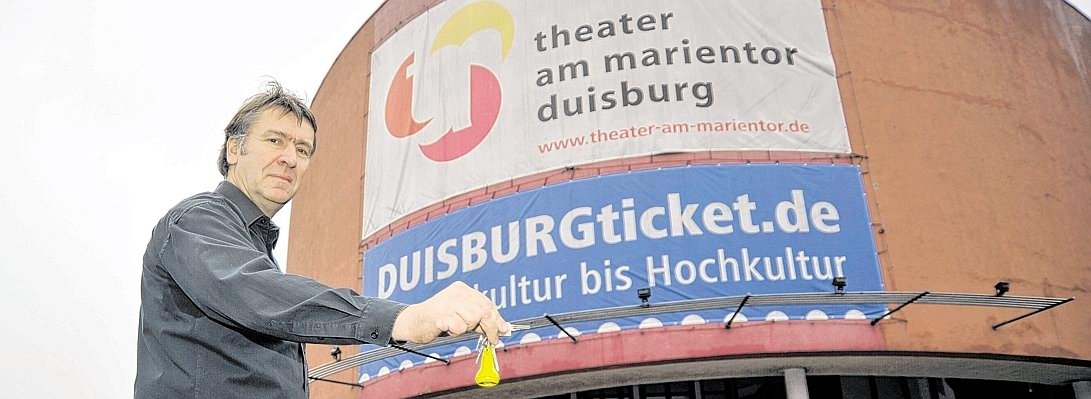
(475, 93)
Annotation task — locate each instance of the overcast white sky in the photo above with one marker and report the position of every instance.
(113, 111)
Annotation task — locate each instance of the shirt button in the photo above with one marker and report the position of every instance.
(374, 335)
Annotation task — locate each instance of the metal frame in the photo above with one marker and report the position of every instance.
(745, 299)
(996, 326)
(916, 298)
(559, 327)
(1038, 304)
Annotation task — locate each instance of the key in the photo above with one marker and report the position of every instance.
(516, 327)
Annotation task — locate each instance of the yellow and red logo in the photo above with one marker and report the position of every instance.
(485, 93)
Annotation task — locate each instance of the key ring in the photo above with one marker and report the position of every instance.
(488, 374)
(488, 371)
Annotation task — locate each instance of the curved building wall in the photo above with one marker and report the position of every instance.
(970, 126)
(970, 116)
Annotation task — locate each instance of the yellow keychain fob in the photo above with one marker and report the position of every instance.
(488, 372)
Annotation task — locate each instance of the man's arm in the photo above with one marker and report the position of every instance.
(209, 255)
(454, 311)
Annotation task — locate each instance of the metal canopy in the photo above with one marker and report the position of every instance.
(1037, 304)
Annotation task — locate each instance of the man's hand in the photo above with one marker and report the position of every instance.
(455, 310)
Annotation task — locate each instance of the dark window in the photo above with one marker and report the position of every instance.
(890, 387)
(1008, 389)
(856, 388)
(745, 388)
(760, 388)
(717, 389)
(607, 393)
(670, 390)
(824, 386)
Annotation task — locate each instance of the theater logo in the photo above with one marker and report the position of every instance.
(485, 92)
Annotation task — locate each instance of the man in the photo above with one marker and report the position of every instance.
(217, 317)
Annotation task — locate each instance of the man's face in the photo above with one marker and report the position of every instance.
(277, 151)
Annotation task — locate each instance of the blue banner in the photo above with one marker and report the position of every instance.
(686, 233)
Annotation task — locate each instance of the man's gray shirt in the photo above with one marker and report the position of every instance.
(218, 319)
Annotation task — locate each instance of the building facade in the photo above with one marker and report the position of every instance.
(739, 199)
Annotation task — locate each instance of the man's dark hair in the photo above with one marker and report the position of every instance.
(273, 96)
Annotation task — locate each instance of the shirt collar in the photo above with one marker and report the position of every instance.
(250, 212)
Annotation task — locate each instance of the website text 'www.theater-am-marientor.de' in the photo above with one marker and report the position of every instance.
(599, 135)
